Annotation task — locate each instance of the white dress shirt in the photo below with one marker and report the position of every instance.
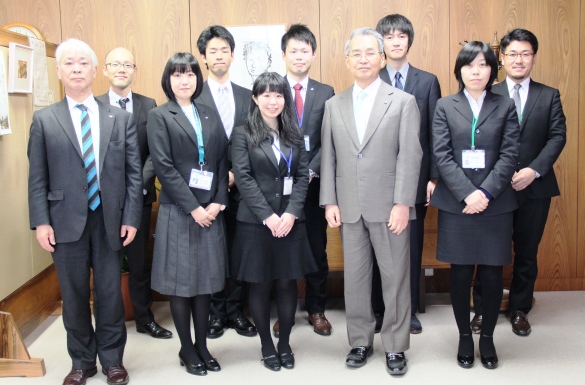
(115, 100)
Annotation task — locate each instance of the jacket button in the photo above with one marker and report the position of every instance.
(276, 179)
(277, 195)
(84, 188)
(477, 131)
(360, 155)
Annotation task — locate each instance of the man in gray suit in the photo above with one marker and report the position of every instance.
(120, 69)
(369, 173)
(85, 201)
(216, 46)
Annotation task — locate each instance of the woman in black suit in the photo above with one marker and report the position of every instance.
(189, 154)
(271, 246)
(475, 142)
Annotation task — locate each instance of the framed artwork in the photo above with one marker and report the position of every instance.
(20, 68)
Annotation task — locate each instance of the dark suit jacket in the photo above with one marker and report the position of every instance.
(317, 95)
(57, 188)
(173, 148)
(141, 106)
(543, 134)
(497, 133)
(425, 87)
(261, 180)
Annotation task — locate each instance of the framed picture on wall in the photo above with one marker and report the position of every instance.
(20, 68)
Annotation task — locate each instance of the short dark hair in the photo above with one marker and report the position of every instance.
(256, 129)
(212, 32)
(181, 62)
(299, 32)
(519, 34)
(468, 54)
(396, 22)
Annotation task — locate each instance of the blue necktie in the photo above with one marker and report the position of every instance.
(93, 196)
(397, 82)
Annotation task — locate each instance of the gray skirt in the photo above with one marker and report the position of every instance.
(188, 259)
(475, 239)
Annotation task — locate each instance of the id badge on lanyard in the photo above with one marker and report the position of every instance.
(288, 180)
(473, 158)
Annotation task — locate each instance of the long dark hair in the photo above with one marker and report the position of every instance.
(288, 128)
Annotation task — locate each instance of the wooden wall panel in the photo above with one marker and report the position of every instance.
(42, 14)
(153, 30)
(556, 24)
(247, 12)
(580, 179)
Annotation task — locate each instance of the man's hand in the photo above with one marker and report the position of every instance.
(129, 232)
(333, 215)
(46, 237)
(399, 217)
(231, 180)
(430, 190)
(476, 202)
(202, 217)
(286, 224)
(523, 178)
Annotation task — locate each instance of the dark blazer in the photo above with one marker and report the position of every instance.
(543, 134)
(317, 95)
(57, 188)
(173, 148)
(497, 133)
(141, 106)
(425, 87)
(261, 180)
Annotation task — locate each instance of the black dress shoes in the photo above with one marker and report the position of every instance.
(465, 351)
(272, 362)
(196, 369)
(358, 357)
(476, 323)
(396, 363)
(520, 325)
(465, 362)
(215, 328)
(79, 376)
(155, 330)
(287, 360)
(212, 365)
(242, 326)
(489, 362)
(415, 325)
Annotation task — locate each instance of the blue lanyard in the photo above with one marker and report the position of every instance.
(199, 134)
(300, 118)
(288, 161)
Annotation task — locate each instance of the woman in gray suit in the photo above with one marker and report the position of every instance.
(271, 247)
(475, 142)
(189, 153)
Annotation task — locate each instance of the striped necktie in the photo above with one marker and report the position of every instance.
(397, 81)
(93, 196)
(123, 102)
(224, 107)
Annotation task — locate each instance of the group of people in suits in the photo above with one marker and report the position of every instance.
(250, 181)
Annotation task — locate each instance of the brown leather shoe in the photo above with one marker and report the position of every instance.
(320, 324)
(476, 323)
(79, 376)
(276, 329)
(116, 375)
(520, 325)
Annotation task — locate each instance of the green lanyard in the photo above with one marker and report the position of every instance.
(198, 133)
(473, 125)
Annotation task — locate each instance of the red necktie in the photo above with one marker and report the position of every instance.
(298, 101)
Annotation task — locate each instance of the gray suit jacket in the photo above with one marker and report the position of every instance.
(141, 106)
(497, 133)
(367, 179)
(57, 188)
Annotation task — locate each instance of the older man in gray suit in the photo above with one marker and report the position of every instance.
(85, 200)
(370, 165)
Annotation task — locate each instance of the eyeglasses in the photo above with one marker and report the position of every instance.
(514, 56)
(370, 55)
(127, 66)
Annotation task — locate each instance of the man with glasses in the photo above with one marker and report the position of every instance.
(542, 138)
(120, 69)
(369, 173)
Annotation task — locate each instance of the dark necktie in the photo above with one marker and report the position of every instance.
(123, 102)
(93, 196)
(397, 81)
(299, 101)
(517, 101)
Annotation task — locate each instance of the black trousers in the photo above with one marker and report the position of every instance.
(529, 223)
(229, 303)
(316, 283)
(73, 261)
(140, 291)
(417, 235)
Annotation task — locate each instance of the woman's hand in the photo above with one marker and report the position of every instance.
(202, 217)
(213, 209)
(286, 224)
(273, 223)
(476, 202)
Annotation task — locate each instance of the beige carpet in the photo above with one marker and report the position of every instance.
(553, 354)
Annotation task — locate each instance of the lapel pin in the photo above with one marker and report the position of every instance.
(312, 89)
(206, 117)
(110, 116)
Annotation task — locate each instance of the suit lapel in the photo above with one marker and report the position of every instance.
(137, 105)
(381, 104)
(241, 103)
(182, 121)
(64, 118)
(384, 75)
(462, 106)
(309, 99)
(411, 79)
(267, 148)
(533, 95)
(205, 126)
(106, 127)
(346, 106)
(487, 108)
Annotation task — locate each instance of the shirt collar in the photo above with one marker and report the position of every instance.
(370, 90)
(304, 82)
(114, 97)
(214, 86)
(90, 103)
(403, 71)
(510, 84)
